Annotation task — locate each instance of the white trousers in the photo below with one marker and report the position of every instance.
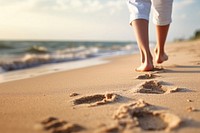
(140, 9)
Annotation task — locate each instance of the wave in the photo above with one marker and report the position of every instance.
(38, 55)
(4, 46)
(37, 49)
(32, 60)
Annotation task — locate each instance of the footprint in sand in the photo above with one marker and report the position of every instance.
(141, 115)
(156, 87)
(54, 125)
(147, 76)
(97, 99)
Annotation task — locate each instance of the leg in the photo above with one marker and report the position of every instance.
(161, 33)
(140, 27)
(162, 19)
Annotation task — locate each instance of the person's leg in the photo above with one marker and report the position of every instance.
(139, 18)
(162, 19)
(161, 33)
(140, 27)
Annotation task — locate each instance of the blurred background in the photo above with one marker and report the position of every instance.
(43, 32)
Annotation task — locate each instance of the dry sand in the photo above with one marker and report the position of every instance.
(107, 98)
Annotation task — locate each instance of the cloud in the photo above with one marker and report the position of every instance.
(183, 3)
(115, 6)
(62, 19)
(88, 6)
(182, 9)
(79, 6)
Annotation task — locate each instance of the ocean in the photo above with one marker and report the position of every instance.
(28, 58)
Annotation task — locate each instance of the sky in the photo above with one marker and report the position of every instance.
(100, 20)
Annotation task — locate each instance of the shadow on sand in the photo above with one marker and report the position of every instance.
(189, 123)
(184, 69)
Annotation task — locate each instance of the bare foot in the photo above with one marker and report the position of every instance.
(145, 67)
(160, 58)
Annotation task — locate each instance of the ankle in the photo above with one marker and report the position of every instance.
(149, 58)
(160, 52)
(148, 62)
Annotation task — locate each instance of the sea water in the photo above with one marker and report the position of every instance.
(23, 59)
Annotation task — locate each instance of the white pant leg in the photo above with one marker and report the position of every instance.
(139, 9)
(162, 11)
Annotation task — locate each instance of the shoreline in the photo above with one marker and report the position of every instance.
(49, 68)
(43, 69)
(63, 96)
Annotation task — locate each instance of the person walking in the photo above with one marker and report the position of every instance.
(139, 20)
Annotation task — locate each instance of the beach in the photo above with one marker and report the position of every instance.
(109, 97)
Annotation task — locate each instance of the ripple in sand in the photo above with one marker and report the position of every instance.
(156, 87)
(97, 99)
(54, 125)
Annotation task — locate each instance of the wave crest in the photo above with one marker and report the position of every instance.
(38, 49)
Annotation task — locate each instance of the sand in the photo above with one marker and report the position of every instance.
(108, 98)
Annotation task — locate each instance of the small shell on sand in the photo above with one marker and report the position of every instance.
(188, 100)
